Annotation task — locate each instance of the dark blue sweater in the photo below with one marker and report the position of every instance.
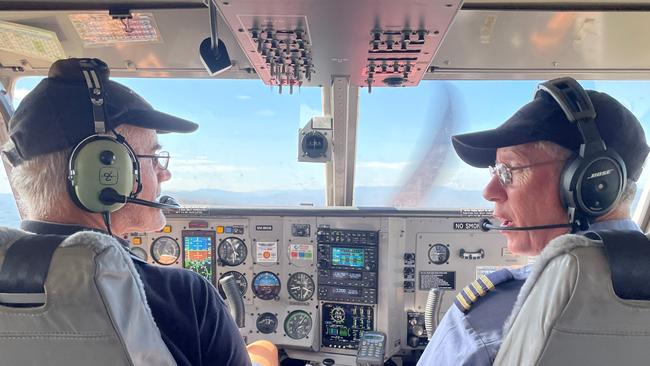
(193, 319)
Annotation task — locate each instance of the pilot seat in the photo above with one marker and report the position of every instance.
(586, 302)
(74, 300)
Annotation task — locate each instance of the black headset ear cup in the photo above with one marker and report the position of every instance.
(593, 185)
(97, 163)
(593, 181)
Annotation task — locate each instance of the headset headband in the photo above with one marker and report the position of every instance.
(96, 93)
(578, 109)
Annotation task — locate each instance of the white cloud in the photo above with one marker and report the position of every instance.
(243, 97)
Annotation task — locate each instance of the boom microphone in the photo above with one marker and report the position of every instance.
(110, 196)
(486, 225)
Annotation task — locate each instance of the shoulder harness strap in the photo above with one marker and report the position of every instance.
(25, 268)
(477, 289)
(627, 252)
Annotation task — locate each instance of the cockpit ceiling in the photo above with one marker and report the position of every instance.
(376, 41)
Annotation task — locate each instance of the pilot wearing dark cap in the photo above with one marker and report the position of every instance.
(553, 173)
(78, 105)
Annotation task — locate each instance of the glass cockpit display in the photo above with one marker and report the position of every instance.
(348, 257)
(343, 324)
(165, 250)
(197, 253)
(347, 265)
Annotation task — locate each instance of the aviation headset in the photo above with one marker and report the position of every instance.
(593, 180)
(103, 171)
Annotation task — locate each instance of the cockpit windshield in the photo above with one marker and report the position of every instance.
(245, 151)
(405, 157)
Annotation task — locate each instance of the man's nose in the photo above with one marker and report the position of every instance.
(494, 191)
(164, 175)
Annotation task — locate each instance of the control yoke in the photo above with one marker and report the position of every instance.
(235, 301)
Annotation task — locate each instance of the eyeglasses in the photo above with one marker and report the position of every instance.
(161, 159)
(504, 172)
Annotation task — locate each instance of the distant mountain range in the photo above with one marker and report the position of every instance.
(442, 198)
(364, 196)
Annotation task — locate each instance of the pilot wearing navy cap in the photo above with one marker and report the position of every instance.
(75, 103)
(552, 173)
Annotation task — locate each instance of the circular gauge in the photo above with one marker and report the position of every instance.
(267, 323)
(240, 280)
(439, 254)
(301, 286)
(266, 285)
(337, 314)
(232, 251)
(298, 324)
(165, 250)
(314, 144)
(140, 253)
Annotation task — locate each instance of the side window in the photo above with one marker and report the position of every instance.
(8, 211)
(9, 215)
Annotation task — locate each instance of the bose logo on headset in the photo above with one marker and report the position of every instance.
(600, 174)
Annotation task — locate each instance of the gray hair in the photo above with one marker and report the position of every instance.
(41, 182)
(558, 152)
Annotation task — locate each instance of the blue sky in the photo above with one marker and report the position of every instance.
(247, 140)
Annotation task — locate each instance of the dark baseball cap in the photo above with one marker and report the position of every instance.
(57, 114)
(543, 120)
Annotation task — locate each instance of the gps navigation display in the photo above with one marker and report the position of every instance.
(349, 257)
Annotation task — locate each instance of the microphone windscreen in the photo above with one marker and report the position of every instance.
(168, 200)
(486, 225)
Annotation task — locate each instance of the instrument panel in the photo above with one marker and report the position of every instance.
(313, 280)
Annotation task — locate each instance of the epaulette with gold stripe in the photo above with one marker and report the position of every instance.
(479, 288)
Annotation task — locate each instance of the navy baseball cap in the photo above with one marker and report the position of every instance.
(57, 114)
(543, 120)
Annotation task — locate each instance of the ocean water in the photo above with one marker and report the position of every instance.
(8, 211)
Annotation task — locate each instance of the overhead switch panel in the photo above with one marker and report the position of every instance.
(293, 43)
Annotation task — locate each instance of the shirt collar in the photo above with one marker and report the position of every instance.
(621, 224)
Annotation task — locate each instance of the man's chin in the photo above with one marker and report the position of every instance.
(517, 244)
(152, 220)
